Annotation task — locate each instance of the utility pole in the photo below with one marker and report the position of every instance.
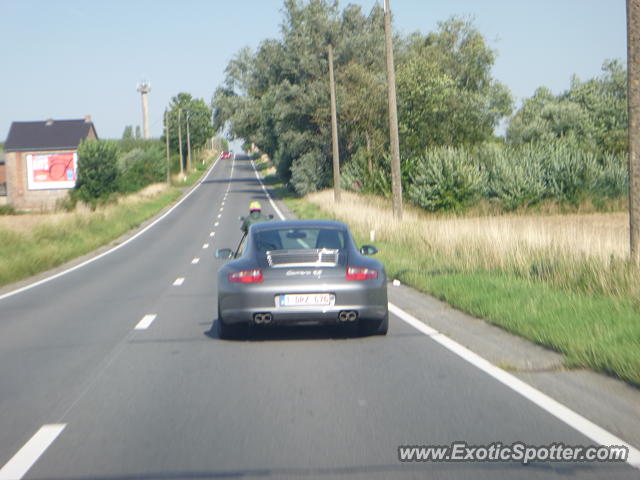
(396, 184)
(633, 102)
(144, 88)
(334, 131)
(166, 133)
(188, 146)
(180, 140)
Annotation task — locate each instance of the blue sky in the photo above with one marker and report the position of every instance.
(66, 59)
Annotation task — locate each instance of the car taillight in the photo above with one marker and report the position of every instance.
(246, 276)
(361, 273)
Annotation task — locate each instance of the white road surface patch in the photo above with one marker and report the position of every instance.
(23, 460)
(179, 281)
(555, 408)
(146, 321)
(548, 404)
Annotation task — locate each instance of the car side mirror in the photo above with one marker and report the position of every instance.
(368, 250)
(241, 219)
(270, 216)
(224, 253)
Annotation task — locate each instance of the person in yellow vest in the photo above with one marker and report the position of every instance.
(255, 216)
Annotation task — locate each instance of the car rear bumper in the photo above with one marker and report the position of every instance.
(295, 315)
(241, 304)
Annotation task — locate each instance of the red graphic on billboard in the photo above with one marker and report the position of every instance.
(52, 171)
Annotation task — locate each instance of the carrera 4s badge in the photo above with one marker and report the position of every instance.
(303, 273)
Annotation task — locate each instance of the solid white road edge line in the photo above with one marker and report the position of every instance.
(275, 207)
(117, 247)
(23, 460)
(548, 404)
(555, 408)
(146, 321)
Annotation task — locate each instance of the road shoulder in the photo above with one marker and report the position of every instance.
(608, 402)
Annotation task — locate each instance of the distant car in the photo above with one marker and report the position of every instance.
(299, 271)
(224, 155)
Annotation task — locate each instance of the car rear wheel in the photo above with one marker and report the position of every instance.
(374, 327)
(229, 331)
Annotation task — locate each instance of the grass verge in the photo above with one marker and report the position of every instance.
(589, 312)
(32, 244)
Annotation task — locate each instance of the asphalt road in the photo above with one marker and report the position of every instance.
(173, 401)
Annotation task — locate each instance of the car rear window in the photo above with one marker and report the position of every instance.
(300, 239)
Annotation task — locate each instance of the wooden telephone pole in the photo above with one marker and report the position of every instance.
(180, 141)
(166, 133)
(334, 131)
(396, 184)
(188, 146)
(633, 101)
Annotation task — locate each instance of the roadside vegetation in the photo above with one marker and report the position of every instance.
(118, 191)
(559, 280)
(528, 230)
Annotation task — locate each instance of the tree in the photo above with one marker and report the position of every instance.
(128, 133)
(591, 113)
(278, 96)
(446, 93)
(195, 111)
(97, 170)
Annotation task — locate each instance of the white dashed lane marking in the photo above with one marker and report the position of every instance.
(29, 454)
(146, 321)
(195, 261)
(205, 246)
(179, 281)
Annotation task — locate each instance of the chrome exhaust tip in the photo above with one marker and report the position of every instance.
(262, 318)
(348, 316)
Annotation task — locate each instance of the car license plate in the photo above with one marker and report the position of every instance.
(306, 299)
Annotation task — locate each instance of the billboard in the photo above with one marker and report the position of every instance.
(52, 171)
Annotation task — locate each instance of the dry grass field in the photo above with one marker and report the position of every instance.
(584, 250)
(562, 281)
(27, 223)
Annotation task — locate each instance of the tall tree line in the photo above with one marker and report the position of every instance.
(278, 96)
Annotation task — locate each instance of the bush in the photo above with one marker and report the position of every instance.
(355, 174)
(310, 173)
(97, 170)
(139, 168)
(446, 178)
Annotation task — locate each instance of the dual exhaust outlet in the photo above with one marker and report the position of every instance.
(262, 318)
(347, 316)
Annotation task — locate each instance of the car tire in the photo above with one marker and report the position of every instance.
(228, 331)
(374, 327)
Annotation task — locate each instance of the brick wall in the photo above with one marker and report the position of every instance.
(18, 194)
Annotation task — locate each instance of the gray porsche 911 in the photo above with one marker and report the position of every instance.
(299, 271)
